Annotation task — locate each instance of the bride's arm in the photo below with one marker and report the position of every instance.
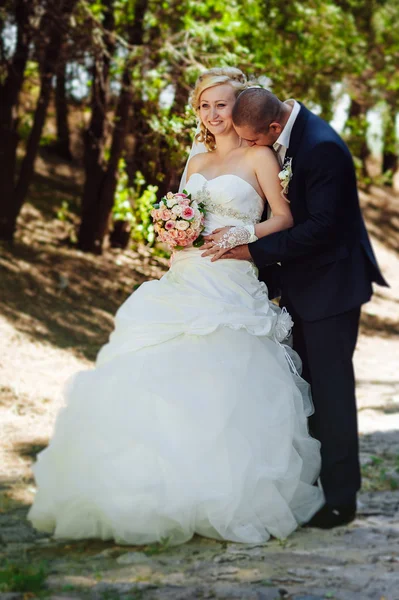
(267, 169)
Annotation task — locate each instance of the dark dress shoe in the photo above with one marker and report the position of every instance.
(332, 516)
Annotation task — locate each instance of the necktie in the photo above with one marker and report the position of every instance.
(276, 148)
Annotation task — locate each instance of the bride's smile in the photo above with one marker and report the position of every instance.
(216, 106)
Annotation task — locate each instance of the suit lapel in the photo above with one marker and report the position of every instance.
(297, 132)
(292, 151)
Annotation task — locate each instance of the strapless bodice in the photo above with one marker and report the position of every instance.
(229, 200)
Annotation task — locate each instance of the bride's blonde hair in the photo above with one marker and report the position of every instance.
(208, 79)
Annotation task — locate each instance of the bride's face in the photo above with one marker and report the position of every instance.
(216, 107)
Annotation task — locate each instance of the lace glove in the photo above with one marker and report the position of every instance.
(237, 236)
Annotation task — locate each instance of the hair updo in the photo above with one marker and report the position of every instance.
(209, 79)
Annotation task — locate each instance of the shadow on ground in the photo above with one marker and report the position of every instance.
(61, 296)
(381, 211)
(375, 325)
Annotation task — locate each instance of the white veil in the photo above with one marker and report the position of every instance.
(196, 148)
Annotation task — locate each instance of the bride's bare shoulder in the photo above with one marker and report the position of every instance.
(264, 152)
(198, 159)
(261, 157)
(197, 162)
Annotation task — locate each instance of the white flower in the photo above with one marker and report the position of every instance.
(284, 325)
(182, 225)
(285, 175)
(177, 210)
(195, 223)
(171, 202)
(169, 195)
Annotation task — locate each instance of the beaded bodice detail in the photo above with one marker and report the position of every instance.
(229, 200)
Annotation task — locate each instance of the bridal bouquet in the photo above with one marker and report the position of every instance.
(179, 220)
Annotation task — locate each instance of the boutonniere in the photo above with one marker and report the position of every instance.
(285, 176)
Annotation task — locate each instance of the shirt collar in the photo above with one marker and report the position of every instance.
(285, 135)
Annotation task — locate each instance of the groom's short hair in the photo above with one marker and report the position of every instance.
(257, 108)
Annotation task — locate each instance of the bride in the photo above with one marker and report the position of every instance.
(194, 419)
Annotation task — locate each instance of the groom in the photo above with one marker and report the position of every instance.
(327, 266)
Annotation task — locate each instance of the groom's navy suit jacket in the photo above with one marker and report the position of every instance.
(327, 262)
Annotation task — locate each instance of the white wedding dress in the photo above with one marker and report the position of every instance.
(192, 420)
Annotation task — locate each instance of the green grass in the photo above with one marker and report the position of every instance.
(23, 578)
(162, 546)
(377, 475)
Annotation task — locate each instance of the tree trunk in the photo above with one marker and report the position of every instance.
(95, 220)
(52, 52)
(173, 174)
(8, 121)
(120, 235)
(49, 69)
(326, 102)
(357, 126)
(94, 138)
(106, 198)
(390, 152)
(63, 144)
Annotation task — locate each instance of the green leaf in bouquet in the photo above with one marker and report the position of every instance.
(199, 242)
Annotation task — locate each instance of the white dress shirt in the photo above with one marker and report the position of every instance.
(283, 141)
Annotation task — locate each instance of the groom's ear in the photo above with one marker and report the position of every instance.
(275, 128)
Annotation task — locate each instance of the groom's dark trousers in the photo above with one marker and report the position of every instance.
(326, 348)
(327, 268)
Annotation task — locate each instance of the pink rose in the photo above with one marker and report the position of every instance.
(174, 233)
(165, 214)
(181, 236)
(169, 225)
(181, 195)
(187, 213)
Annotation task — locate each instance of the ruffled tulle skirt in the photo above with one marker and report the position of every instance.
(191, 422)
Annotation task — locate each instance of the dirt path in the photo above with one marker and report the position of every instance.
(57, 307)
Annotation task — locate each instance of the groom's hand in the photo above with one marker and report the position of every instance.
(239, 253)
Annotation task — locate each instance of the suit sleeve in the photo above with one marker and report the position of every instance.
(330, 171)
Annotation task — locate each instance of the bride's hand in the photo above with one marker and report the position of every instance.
(211, 242)
(216, 234)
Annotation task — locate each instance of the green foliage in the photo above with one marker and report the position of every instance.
(23, 578)
(301, 49)
(63, 213)
(48, 139)
(25, 125)
(122, 209)
(133, 204)
(143, 229)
